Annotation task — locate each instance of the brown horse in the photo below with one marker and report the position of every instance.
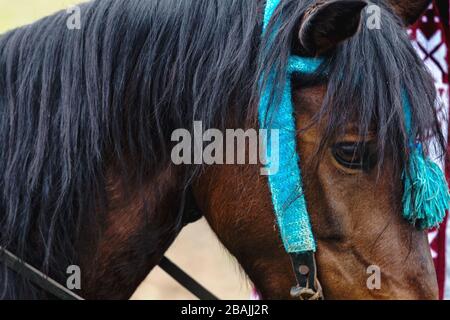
(86, 117)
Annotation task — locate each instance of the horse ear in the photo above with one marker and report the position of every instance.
(409, 10)
(325, 24)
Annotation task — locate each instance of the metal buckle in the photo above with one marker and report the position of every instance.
(308, 286)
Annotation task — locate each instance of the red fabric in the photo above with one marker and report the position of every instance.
(431, 37)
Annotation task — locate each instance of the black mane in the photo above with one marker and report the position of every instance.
(73, 102)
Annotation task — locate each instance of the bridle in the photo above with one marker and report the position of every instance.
(426, 196)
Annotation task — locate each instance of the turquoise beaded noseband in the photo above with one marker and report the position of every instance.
(426, 195)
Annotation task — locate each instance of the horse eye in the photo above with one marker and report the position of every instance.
(355, 156)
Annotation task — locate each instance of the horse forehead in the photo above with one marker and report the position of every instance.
(309, 100)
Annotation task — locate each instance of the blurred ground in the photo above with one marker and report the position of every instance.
(197, 250)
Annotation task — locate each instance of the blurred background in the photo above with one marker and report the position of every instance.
(197, 249)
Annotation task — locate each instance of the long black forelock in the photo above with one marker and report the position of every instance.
(366, 77)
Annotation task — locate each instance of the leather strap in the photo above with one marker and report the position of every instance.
(305, 269)
(185, 280)
(36, 277)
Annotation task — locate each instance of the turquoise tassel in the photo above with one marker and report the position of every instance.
(426, 196)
